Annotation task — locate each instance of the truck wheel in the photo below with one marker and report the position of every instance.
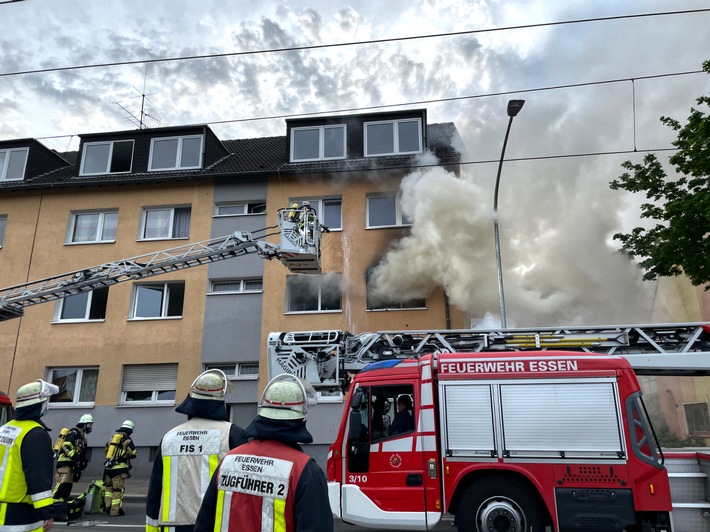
(499, 504)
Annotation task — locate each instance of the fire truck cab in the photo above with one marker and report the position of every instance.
(513, 441)
(6, 412)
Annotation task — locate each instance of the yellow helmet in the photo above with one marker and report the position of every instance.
(286, 397)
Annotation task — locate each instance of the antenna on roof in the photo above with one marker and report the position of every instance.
(140, 120)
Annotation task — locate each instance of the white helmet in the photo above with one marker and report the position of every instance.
(286, 397)
(35, 392)
(210, 384)
(128, 424)
(86, 418)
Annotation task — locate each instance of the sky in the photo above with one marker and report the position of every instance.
(556, 212)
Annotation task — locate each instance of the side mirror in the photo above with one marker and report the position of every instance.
(356, 401)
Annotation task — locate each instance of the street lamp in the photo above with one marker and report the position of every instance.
(514, 107)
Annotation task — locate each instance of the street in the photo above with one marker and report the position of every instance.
(135, 519)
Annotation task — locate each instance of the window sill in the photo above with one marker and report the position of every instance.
(59, 406)
(394, 309)
(297, 312)
(162, 238)
(400, 226)
(65, 322)
(155, 318)
(231, 293)
(138, 404)
(89, 242)
(239, 215)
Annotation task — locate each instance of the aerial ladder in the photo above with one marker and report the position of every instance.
(328, 358)
(299, 250)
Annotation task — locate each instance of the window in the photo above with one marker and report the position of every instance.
(238, 285)
(12, 163)
(393, 137)
(697, 418)
(159, 300)
(232, 209)
(317, 143)
(3, 225)
(77, 386)
(173, 153)
(377, 301)
(149, 383)
(385, 211)
(113, 157)
(86, 306)
(164, 223)
(328, 210)
(313, 293)
(99, 226)
(241, 370)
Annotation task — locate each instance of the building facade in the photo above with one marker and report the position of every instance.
(130, 350)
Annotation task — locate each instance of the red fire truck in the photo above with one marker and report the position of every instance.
(504, 441)
(5, 408)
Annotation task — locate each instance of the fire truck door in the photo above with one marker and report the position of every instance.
(384, 477)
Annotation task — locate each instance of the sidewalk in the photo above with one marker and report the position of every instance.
(136, 487)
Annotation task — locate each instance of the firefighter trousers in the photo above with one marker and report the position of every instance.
(113, 497)
(64, 481)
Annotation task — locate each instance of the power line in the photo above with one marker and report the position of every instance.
(353, 43)
(424, 102)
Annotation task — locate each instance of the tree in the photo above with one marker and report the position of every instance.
(679, 243)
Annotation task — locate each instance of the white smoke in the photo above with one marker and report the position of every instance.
(558, 262)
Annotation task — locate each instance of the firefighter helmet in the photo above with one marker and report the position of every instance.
(286, 397)
(88, 421)
(211, 384)
(128, 424)
(35, 392)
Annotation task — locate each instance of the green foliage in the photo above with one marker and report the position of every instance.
(669, 440)
(680, 240)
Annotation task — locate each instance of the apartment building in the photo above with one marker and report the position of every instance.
(131, 350)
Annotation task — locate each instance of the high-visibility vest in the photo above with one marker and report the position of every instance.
(193, 449)
(13, 487)
(256, 487)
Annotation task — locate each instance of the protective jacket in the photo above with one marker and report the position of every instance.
(191, 450)
(26, 464)
(268, 484)
(119, 464)
(72, 453)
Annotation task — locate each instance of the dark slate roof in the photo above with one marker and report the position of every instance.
(257, 156)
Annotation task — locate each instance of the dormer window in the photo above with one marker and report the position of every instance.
(12, 163)
(317, 143)
(393, 137)
(176, 153)
(111, 157)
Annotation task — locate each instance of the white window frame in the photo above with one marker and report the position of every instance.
(165, 301)
(75, 402)
(319, 205)
(171, 223)
(107, 168)
(398, 215)
(395, 130)
(178, 153)
(6, 163)
(323, 280)
(59, 308)
(154, 378)
(241, 286)
(321, 142)
(100, 226)
(237, 371)
(3, 228)
(247, 208)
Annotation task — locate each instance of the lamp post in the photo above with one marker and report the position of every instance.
(514, 107)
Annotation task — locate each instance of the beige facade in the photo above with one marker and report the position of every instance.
(35, 248)
(350, 252)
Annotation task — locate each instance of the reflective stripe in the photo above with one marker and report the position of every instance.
(279, 515)
(167, 505)
(267, 514)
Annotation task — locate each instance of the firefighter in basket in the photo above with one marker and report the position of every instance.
(27, 463)
(189, 454)
(70, 452)
(270, 483)
(119, 453)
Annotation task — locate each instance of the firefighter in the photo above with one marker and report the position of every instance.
(403, 420)
(70, 451)
(270, 483)
(192, 449)
(26, 462)
(120, 450)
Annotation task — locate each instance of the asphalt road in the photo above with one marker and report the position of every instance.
(135, 520)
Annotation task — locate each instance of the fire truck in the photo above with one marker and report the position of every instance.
(5, 408)
(506, 441)
(299, 250)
